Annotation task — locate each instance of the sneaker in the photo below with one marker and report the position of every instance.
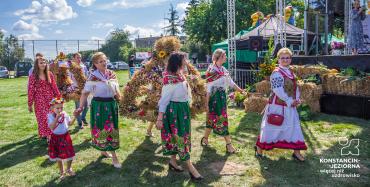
(85, 122)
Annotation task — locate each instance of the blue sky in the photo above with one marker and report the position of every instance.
(83, 19)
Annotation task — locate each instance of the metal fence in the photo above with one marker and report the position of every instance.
(245, 76)
(50, 48)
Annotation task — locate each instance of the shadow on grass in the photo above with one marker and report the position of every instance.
(210, 165)
(279, 169)
(141, 167)
(28, 149)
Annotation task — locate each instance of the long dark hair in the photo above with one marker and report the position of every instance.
(36, 70)
(175, 62)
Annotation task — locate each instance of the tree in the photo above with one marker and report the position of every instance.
(206, 21)
(12, 52)
(116, 39)
(174, 23)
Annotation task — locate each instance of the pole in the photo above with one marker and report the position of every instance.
(56, 46)
(78, 45)
(317, 32)
(33, 49)
(326, 28)
(305, 28)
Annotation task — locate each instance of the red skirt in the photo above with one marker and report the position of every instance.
(60, 147)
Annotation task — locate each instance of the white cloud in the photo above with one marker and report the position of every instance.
(141, 31)
(32, 36)
(46, 11)
(85, 3)
(3, 31)
(133, 4)
(23, 26)
(96, 38)
(182, 6)
(59, 31)
(102, 25)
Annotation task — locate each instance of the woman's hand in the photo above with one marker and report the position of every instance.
(77, 111)
(159, 124)
(30, 109)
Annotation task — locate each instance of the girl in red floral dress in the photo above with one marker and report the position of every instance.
(41, 90)
(60, 145)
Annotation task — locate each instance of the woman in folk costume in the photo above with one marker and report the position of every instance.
(174, 115)
(103, 86)
(218, 80)
(280, 127)
(41, 90)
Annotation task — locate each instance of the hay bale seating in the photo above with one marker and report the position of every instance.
(255, 102)
(337, 84)
(263, 87)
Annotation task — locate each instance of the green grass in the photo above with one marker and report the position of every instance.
(23, 161)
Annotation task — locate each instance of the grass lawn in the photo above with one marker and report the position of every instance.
(23, 161)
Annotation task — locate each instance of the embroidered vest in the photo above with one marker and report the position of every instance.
(290, 88)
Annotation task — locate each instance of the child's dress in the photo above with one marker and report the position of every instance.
(60, 145)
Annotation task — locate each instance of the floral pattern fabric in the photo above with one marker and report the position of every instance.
(176, 131)
(40, 93)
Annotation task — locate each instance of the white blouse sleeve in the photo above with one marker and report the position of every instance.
(166, 95)
(277, 86)
(88, 87)
(230, 82)
(209, 86)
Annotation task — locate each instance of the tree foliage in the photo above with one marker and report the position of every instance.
(206, 21)
(174, 23)
(115, 40)
(10, 51)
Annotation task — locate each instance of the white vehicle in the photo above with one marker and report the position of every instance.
(120, 65)
(110, 66)
(4, 73)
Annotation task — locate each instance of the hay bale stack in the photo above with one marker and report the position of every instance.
(310, 95)
(303, 71)
(263, 87)
(255, 103)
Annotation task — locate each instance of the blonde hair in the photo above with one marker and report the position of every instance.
(284, 51)
(96, 57)
(217, 54)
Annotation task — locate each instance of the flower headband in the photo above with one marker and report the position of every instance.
(57, 100)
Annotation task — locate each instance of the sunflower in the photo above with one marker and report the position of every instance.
(162, 54)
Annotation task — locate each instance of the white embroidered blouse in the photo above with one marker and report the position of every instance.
(178, 92)
(277, 85)
(100, 85)
(225, 81)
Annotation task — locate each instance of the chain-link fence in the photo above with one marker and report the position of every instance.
(50, 48)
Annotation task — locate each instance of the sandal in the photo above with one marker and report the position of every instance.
(62, 176)
(202, 141)
(117, 165)
(106, 155)
(227, 150)
(297, 158)
(71, 173)
(149, 134)
(256, 154)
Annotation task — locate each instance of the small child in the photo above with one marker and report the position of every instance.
(60, 145)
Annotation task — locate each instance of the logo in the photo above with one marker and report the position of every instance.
(350, 147)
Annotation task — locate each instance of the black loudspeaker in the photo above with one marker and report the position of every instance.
(256, 43)
(354, 106)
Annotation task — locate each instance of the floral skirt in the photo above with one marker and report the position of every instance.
(176, 132)
(61, 147)
(104, 124)
(217, 117)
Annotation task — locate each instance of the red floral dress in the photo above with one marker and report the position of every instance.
(41, 93)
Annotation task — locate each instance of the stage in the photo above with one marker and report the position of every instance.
(361, 62)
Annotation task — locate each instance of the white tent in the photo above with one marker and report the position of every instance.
(268, 29)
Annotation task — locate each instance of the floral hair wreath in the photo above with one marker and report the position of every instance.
(57, 100)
